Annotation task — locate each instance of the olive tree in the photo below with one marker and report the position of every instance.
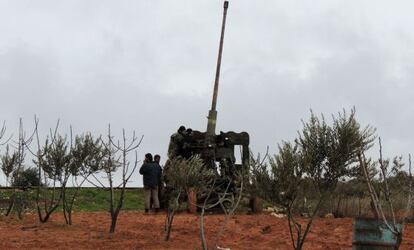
(12, 165)
(60, 159)
(183, 176)
(75, 160)
(87, 156)
(53, 161)
(13, 159)
(9, 162)
(323, 154)
(229, 201)
(191, 176)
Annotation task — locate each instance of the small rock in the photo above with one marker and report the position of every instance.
(223, 248)
(267, 229)
(278, 215)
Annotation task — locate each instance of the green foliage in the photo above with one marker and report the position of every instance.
(280, 185)
(181, 176)
(322, 154)
(87, 155)
(55, 159)
(329, 152)
(9, 162)
(188, 174)
(59, 160)
(25, 178)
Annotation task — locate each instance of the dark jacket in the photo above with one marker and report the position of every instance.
(176, 145)
(151, 173)
(159, 174)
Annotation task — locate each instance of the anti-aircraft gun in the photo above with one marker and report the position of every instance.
(216, 150)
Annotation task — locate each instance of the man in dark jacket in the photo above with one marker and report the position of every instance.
(176, 143)
(150, 172)
(157, 159)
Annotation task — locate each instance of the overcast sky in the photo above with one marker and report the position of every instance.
(149, 66)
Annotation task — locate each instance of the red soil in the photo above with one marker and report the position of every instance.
(136, 230)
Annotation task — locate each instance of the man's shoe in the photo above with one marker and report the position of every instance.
(146, 211)
(157, 210)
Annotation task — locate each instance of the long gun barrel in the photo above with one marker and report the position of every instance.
(212, 115)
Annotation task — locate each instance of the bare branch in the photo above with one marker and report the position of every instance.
(90, 182)
(410, 191)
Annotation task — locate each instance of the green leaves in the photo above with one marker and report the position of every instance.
(321, 155)
(330, 151)
(25, 178)
(277, 181)
(188, 174)
(56, 158)
(87, 155)
(322, 152)
(60, 159)
(9, 162)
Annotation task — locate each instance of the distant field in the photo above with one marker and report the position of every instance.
(89, 199)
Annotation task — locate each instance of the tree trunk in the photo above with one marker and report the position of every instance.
(192, 201)
(48, 213)
(64, 206)
(11, 204)
(70, 216)
(202, 236)
(170, 218)
(114, 218)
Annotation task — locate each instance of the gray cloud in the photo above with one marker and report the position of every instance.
(149, 66)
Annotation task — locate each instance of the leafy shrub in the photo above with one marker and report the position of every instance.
(26, 178)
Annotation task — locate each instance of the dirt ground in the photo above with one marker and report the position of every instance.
(135, 230)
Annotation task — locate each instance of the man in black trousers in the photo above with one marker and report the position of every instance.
(157, 159)
(150, 172)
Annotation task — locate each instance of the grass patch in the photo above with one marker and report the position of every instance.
(88, 199)
(94, 199)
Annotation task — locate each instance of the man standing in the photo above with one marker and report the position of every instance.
(157, 159)
(176, 143)
(150, 172)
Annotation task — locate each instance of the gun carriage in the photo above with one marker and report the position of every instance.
(218, 151)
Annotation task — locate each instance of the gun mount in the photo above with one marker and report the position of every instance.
(213, 148)
(216, 150)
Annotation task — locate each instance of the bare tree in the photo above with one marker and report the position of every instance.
(393, 223)
(116, 155)
(2, 133)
